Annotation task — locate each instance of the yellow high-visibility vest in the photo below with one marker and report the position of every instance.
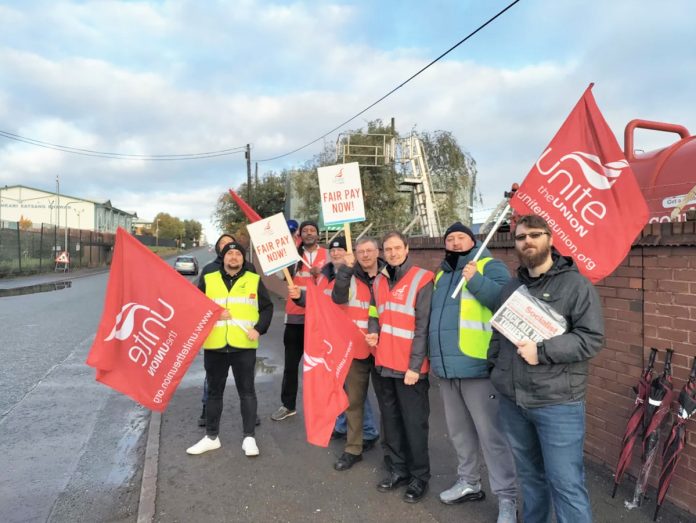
(474, 320)
(242, 302)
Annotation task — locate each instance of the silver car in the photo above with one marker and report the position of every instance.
(186, 265)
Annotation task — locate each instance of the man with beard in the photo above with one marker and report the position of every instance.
(232, 343)
(303, 274)
(542, 408)
(214, 266)
(402, 296)
(458, 341)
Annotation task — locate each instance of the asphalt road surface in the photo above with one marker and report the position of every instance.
(71, 449)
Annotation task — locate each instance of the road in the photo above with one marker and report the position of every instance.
(71, 449)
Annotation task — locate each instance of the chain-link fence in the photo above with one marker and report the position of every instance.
(37, 249)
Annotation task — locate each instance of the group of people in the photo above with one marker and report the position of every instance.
(519, 405)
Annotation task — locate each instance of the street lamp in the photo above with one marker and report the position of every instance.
(79, 214)
(66, 222)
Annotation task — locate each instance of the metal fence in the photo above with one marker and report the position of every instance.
(36, 250)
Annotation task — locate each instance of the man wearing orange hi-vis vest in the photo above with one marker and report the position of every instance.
(303, 274)
(402, 297)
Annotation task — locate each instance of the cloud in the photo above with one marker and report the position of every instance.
(173, 77)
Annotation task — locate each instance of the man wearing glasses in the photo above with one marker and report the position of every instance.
(542, 408)
(353, 288)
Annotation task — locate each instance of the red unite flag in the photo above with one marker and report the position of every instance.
(585, 189)
(331, 338)
(153, 324)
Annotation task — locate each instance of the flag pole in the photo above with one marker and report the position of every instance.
(493, 230)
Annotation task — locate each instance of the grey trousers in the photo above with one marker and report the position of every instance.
(471, 411)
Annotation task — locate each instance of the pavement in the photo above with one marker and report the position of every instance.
(293, 481)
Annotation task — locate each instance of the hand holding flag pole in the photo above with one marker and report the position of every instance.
(493, 230)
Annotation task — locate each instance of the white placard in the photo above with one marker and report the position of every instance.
(273, 243)
(340, 191)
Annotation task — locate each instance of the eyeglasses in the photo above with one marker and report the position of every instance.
(532, 235)
(366, 252)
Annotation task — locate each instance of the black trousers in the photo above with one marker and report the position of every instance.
(405, 411)
(293, 339)
(243, 365)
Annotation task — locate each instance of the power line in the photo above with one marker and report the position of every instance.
(240, 149)
(121, 156)
(395, 88)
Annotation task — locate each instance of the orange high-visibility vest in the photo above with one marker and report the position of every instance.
(302, 278)
(358, 309)
(397, 318)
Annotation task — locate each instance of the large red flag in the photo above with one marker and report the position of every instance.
(584, 188)
(250, 213)
(153, 324)
(330, 341)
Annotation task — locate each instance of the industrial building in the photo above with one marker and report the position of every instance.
(18, 202)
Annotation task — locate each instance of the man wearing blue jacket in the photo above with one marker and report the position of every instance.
(458, 342)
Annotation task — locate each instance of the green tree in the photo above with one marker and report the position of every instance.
(170, 227)
(385, 207)
(453, 176)
(268, 196)
(192, 231)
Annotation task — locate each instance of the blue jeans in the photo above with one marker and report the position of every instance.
(547, 444)
(370, 430)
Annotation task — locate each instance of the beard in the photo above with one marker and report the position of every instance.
(530, 258)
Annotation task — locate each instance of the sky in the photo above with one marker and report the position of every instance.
(192, 76)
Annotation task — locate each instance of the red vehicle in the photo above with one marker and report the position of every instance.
(666, 176)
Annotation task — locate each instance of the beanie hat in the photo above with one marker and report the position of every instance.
(459, 227)
(338, 243)
(306, 223)
(230, 246)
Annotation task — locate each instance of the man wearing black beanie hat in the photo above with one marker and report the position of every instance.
(214, 266)
(458, 338)
(232, 342)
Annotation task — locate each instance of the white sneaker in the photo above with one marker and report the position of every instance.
(507, 511)
(462, 491)
(249, 447)
(204, 445)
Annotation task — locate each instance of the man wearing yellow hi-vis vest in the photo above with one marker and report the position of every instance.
(458, 339)
(233, 343)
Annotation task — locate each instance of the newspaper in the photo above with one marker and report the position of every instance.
(524, 317)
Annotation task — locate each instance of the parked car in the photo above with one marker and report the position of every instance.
(186, 265)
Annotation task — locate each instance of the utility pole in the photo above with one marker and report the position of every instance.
(58, 203)
(247, 155)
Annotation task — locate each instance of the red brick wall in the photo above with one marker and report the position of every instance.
(649, 301)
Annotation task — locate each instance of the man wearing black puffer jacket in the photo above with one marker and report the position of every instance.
(542, 408)
(213, 266)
